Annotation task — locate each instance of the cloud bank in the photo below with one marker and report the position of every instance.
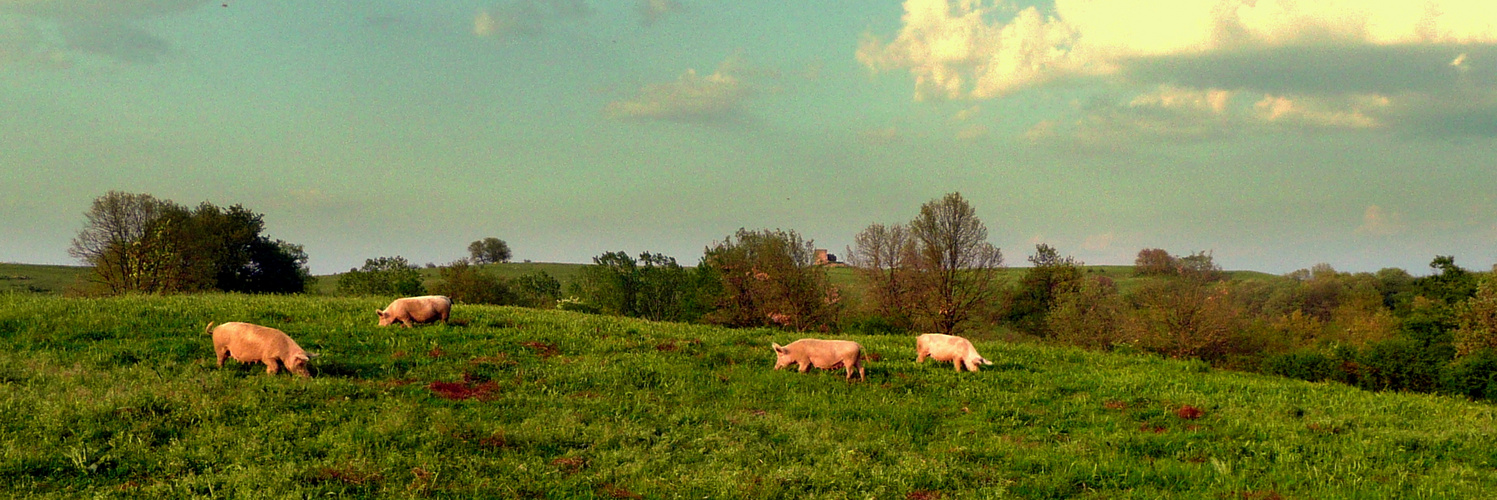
(1195, 68)
(690, 98)
(50, 32)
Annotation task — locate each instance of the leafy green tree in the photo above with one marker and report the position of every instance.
(769, 278)
(137, 243)
(1031, 302)
(1477, 319)
(489, 251)
(653, 287)
(1451, 285)
(468, 284)
(537, 290)
(383, 276)
(958, 267)
(1088, 313)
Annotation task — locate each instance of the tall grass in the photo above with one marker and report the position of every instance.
(121, 397)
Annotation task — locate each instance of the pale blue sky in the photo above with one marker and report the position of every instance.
(1275, 134)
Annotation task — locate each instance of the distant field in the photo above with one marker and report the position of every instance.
(39, 278)
(120, 397)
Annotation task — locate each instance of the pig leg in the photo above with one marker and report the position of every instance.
(957, 363)
(222, 354)
(406, 322)
(923, 352)
(804, 365)
(862, 374)
(271, 367)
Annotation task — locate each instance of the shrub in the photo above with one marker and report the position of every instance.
(1474, 376)
(537, 289)
(1089, 313)
(1304, 365)
(468, 284)
(382, 276)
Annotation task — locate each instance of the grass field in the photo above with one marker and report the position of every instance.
(35, 278)
(120, 397)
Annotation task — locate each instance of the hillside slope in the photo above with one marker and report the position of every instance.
(121, 396)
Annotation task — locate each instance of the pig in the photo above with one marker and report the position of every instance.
(824, 354)
(408, 310)
(249, 343)
(951, 348)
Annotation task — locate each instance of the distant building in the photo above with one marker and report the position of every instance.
(826, 259)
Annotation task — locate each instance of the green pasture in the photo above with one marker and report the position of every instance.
(119, 397)
(35, 278)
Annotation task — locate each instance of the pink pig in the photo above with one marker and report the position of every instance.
(424, 309)
(249, 343)
(824, 354)
(957, 350)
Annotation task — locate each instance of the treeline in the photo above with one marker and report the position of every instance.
(137, 243)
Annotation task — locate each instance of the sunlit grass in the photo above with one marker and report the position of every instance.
(121, 397)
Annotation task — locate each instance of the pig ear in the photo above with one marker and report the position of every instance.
(776, 347)
(311, 355)
(379, 312)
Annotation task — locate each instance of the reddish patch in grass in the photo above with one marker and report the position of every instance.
(758, 413)
(666, 346)
(394, 382)
(569, 465)
(1151, 428)
(436, 352)
(615, 491)
(923, 495)
(495, 440)
(543, 349)
(873, 356)
(1189, 412)
(1261, 495)
(397, 355)
(346, 475)
(585, 395)
(482, 391)
(1115, 405)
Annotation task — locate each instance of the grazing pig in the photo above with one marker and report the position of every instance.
(424, 309)
(951, 348)
(824, 354)
(249, 343)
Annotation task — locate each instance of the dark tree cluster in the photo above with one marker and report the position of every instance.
(139, 243)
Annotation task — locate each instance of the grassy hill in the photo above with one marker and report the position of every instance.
(120, 397)
(34, 278)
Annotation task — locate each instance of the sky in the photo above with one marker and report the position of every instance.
(1275, 134)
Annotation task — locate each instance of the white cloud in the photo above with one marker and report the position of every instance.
(526, 18)
(1320, 64)
(1376, 222)
(1098, 242)
(691, 98)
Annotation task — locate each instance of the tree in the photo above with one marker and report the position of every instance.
(768, 278)
(137, 243)
(122, 242)
(383, 276)
(1036, 294)
(538, 290)
(1154, 262)
(466, 283)
(958, 267)
(1477, 318)
(886, 259)
(489, 251)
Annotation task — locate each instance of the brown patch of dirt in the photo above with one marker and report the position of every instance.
(666, 346)
(585, 395)
(616, 491)
(495, 440)
(482, 391)
(1189, 412)
(570, 465)
(873, 356)
(1151, 428)
(923, 495)
(1115, 405)
(543, 349)
(346, 475)
(1261, 495)
(436, 352)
